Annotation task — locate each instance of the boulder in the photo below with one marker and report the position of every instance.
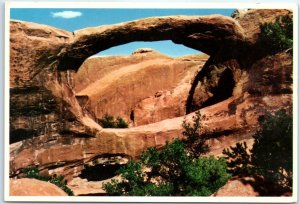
(237, 188)
(33, 187)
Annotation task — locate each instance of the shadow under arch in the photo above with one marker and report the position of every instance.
(220, 92)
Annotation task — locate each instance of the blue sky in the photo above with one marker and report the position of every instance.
(74, 19)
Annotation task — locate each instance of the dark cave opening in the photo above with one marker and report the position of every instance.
(223, 90)
(21, 134)
(100, 172)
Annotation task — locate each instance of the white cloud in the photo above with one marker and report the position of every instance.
(66, 14)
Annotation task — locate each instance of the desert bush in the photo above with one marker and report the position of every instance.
(277, 36)
(175, 170)
(271, 155)
(120, 123)
(108, 121)
(33, 172)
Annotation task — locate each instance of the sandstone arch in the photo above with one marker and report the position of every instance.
(203, 33)
(53, 49)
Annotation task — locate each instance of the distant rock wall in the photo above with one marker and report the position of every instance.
(142, 88)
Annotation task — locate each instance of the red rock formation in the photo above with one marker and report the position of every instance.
(37, 52)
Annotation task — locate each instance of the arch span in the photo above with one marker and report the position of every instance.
(203, 33)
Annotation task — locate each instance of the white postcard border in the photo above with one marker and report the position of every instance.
(167, 5)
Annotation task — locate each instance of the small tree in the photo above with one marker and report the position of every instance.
(195, 142)
(277, 36)
(174, 170)
(108, 121)
(271, 155)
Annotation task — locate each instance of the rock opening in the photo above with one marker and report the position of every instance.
(223, 90)
(100, 172)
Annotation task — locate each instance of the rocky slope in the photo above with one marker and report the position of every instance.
(52, 109)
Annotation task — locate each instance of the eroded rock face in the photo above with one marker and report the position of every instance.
(265, 74)
(32, 48)
(33, 187)
(226, 90)
(41, 99)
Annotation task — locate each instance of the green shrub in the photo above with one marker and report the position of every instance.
(271, 155)
(206, 175)
(33, 172)
(108, 121)
(120, 123)
(175, 170)
(277, 36)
